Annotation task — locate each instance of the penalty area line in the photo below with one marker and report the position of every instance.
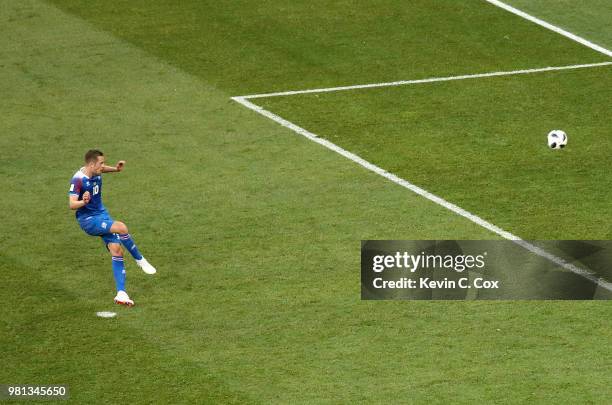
(424, 193)
(429, 80)
(550, 26)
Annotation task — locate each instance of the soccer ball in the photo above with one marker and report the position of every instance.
(557, 139)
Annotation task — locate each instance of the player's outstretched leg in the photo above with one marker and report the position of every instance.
(119, 273)
(127, 241)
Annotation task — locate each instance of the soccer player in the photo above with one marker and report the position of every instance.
(85, 196)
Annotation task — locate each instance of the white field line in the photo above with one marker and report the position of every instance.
(424, 193)
(551, 27)
(429, 80)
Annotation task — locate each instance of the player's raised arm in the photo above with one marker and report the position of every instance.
(117, 168)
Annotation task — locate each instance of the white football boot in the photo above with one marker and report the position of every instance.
(146, 266)
(123, 299)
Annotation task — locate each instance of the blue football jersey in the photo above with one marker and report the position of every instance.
(79, 184)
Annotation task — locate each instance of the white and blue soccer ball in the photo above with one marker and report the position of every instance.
(557, 139)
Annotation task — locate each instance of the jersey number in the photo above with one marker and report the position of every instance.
(96, 189)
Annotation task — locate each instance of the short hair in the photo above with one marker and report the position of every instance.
(92, 155)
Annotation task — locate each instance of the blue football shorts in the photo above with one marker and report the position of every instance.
(99, 225)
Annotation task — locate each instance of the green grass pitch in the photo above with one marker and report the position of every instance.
(256, 231)
(481, 143)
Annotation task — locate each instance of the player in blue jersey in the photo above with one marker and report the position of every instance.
(85, 196)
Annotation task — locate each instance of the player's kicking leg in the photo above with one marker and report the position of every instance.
(119, 273)
(127, 241)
